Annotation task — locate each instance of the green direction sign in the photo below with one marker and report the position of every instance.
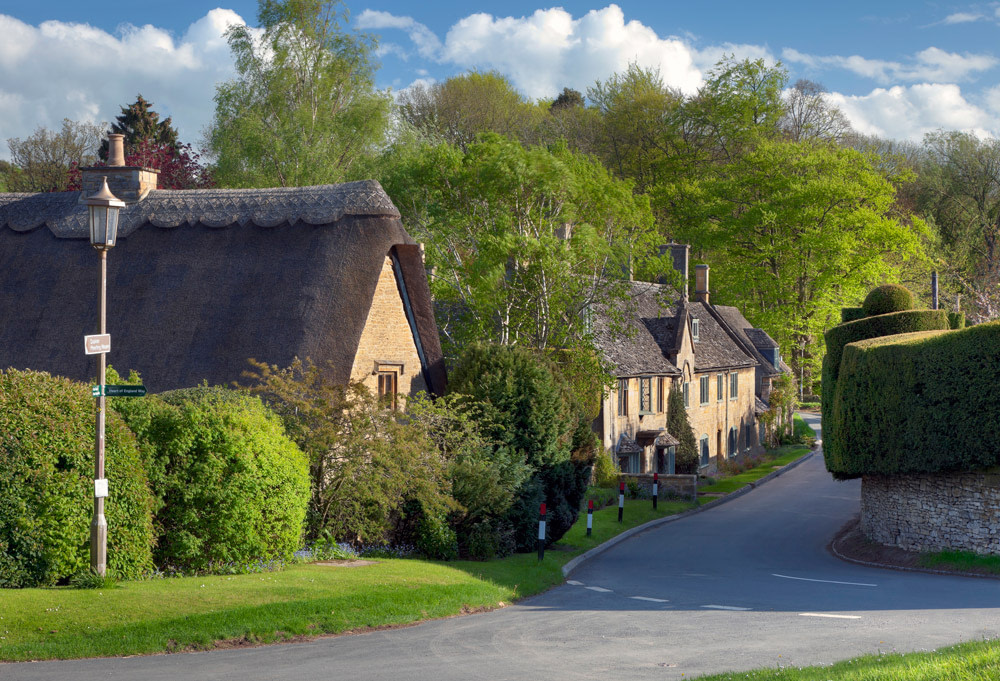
(118, 390)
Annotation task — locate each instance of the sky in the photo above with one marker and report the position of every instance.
(896, 69)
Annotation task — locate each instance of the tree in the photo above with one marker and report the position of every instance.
(808, 115)
(678, 425)
(42, 161)
(141, 126)
(459, 109)
(568, 98)
(522, 240)
(179, 167)
(303, 109)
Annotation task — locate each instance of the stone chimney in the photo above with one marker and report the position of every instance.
(131, 184)
(701, 283)
(680, 254)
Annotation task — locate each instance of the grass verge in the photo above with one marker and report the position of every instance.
(965, 662)
(802, 430)
(194, 613)
(783, 456)
(964, 561)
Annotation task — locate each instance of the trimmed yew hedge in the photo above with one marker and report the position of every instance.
(850, 314)
(957, 320)
(887, 298)
(917, 403)
(47, 484)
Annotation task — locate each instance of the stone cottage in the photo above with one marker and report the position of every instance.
(721, 363)
(202, 280)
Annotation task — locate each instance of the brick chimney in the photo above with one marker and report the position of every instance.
(680, 254)
(701, 283)
(131, 184)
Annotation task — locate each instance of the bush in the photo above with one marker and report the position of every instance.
(686, 459)
(850, 314)
(605, 473)
(232, 488)
(887, 298)
(47, 484)
(436, 539)
(956, 320)
(943, 414)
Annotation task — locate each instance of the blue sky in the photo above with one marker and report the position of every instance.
(898, 69)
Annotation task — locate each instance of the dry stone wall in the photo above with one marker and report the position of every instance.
(933, 512)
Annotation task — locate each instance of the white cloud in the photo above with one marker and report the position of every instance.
(62, 70)
(428, 44)
(708, 57)
(932, 64)
(909, 112)
(963, 18)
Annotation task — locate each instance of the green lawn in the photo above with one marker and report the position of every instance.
(801, 429)
(961, 560)
(783, 456)
(966, 662)
(194, 612)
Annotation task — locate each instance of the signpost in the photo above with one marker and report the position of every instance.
(98, 344)
(118, 390)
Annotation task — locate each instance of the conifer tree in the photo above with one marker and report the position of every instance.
(679, 426)
(140, 124)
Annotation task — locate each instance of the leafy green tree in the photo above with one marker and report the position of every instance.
(522, 240)
(302, 109)
(141, 126)
(43, 160)
(678, 425)
(568, 98)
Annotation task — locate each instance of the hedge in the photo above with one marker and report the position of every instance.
(956, 320)
(47, 484)
(850, 314)
(231, 487)
(887, 298)
(917, 403)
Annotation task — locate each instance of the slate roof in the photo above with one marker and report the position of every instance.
(202, 280)
(760, 407)
(755, 340)
(715, 349)
(640, 342)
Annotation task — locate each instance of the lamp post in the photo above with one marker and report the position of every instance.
(103, 210)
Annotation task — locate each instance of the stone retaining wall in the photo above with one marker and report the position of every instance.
(933, 512)
(684, 486)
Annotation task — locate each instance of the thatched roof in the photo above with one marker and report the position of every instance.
(202, 280)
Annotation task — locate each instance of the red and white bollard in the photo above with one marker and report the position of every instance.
(656, 488)
(590, 516)
(541, 532)
(621, 500)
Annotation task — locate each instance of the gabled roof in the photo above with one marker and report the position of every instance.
(756, 341)
(202, 280)
(715, 348)
(638, 337)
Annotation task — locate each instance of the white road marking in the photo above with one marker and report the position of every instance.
(574, 582)
(598, 588)
(725, 607)
(835, 617)
(824, 581)
(647, 598)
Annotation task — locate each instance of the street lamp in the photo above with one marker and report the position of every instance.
(103, 208)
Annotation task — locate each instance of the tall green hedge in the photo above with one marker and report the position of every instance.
(231, 487)
(917, 403)
(47, 484)
(850, 314)
(887, 298)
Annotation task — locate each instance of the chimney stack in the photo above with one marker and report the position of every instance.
(131, 184)
(701, 283)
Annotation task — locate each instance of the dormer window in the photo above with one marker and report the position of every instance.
(694, 329)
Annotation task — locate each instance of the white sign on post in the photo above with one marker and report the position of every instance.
(100, 488)
(99, 344)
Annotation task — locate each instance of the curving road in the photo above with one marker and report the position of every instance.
(744, 585)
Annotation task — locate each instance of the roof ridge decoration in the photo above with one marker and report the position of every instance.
(66, 216)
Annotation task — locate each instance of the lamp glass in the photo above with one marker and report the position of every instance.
(103, 226)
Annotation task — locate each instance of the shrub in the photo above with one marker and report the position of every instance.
(436, 539)
(943, 414)
(232, 488)
(47, 484)
(850, 314)
(956, 320)
(686, 457)
(887, 298)
(605, 473)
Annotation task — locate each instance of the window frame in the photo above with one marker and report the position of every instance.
(704, 389)
(695, 330)
(704, 453)
(388, 395)
(720, 387)
(686, 390)
(734, 385)
(623, 397)
(645, 395)
(660, 384)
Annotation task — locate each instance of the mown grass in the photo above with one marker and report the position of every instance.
(783, 456)
(802, 430)
(976, 661)
(965, 561)
(303, 600)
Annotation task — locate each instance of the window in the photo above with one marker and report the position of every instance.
(695, 329)
(629, 463)
(748, 435)
(660, 385)
(623, 397)
(704, 389)
(734, 384)
(666, 460)
(733, 442)
(704, 450)
(687, 394)
(720, 387)
(387, 388)
(646, 395)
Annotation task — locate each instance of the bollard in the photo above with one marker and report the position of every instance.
(590, 516)
(541, 532)
(656, 488)
(621, 500)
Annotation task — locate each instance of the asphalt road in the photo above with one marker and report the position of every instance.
(744, 585)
